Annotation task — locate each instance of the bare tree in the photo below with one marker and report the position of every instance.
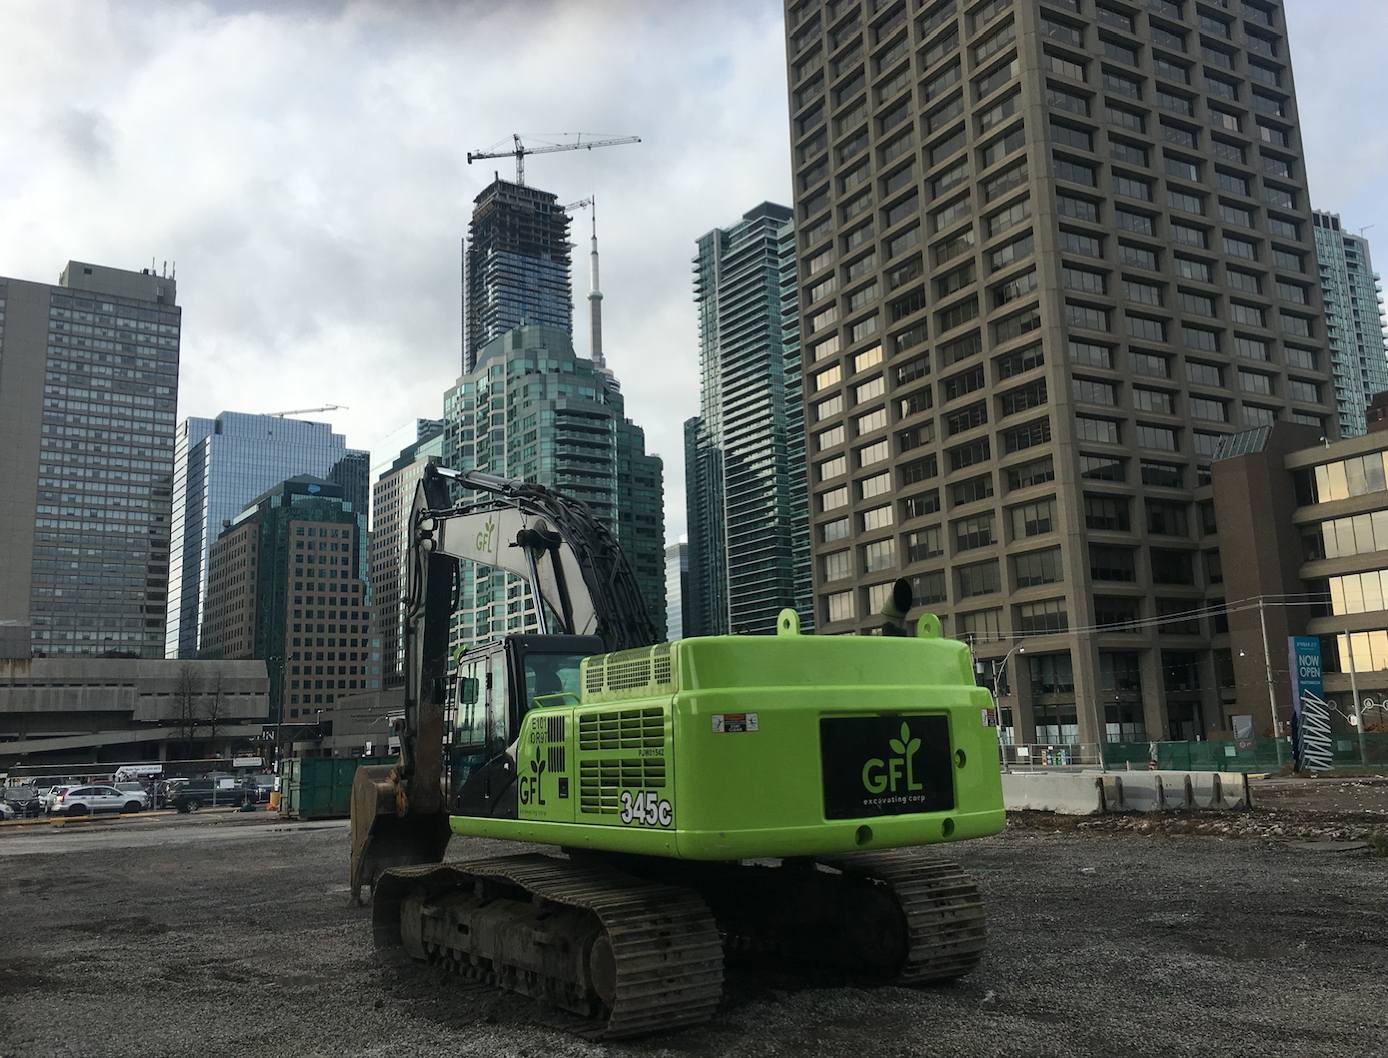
(214, 709)
(186, 695)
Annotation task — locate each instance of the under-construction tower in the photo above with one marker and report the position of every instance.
(517, 260)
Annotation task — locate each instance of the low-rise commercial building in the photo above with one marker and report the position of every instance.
(1301, 546)
(90, 710)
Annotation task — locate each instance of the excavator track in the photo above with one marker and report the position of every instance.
(946, 926)
(632, 956)
(897, 916)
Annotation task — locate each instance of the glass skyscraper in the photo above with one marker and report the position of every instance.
(744, 472)
(221, 465)
(88, 392)
(1353, 320)
(517, 265)
(533, 409)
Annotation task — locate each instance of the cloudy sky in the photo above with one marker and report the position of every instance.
(304, 164)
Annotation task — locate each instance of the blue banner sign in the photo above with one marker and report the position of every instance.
(1310, 714)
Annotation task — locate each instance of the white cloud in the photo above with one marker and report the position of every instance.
(305, 167)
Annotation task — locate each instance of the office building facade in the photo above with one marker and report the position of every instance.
(676, 590)
(1302, 526)
(1353, 300)
(288, 583)
(1049, 255)
(516, 265)
(88, 393)
(744, 482)
(387, 450)
(532, 409)
(391, 502)
(222, 464)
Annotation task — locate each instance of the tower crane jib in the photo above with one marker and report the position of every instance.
(519, 150)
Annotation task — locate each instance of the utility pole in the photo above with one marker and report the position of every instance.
(1267, 664)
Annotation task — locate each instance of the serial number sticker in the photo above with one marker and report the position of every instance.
(733, 723)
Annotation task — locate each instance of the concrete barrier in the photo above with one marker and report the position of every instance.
(1089, 793)
(1067, 793)
(1232, 790)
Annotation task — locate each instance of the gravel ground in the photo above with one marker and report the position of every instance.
(232, 935)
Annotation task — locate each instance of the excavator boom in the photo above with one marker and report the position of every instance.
(582, 584)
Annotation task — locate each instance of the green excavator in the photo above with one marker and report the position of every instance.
(762, 797)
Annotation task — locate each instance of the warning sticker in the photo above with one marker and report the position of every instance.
(733, 723)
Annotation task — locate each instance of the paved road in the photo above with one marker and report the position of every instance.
(207, 938)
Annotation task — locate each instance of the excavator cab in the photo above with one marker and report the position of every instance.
(495, 688)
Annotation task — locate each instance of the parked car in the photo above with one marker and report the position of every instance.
(206, 793)
(164, 790)
(6, 812)
(51, 798)
(259, 787)
(81, 800)
(135, 790)
(24, 800)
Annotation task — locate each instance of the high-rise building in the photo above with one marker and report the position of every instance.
(88, 392)
(532, 409)
(743, 486)
(391, 502)
(517, 266)
(676, 589)
(288, 583)
(1354, 320)
(386, 451)
(1049, 255)
(221, 465)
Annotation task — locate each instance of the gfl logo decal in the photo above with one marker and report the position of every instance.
(528, 786)
(484, 538)
(879, 775)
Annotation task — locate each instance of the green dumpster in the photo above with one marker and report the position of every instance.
(320, 787)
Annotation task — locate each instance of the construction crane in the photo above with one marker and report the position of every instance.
(519, 150)
(307, 411)
(582, 203)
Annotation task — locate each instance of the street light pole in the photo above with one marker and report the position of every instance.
(1354, 690)
(998, 670)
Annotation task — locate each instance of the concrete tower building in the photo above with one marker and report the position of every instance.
(391, 502)
(517, 265)
(88, 391)
(1353, 318)
(221, 465)
(1049, 255)
(744, 474)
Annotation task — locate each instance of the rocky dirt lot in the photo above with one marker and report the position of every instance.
(223, 935)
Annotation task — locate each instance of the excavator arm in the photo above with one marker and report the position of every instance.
(582, 584)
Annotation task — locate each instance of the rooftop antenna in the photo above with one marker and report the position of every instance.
(595, 296)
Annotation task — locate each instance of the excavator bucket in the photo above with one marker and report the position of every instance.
(385, 833)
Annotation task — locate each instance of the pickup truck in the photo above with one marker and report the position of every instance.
(205, 793)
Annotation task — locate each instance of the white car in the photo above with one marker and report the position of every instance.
(6, 811)
(135, 791)
(82, 800)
